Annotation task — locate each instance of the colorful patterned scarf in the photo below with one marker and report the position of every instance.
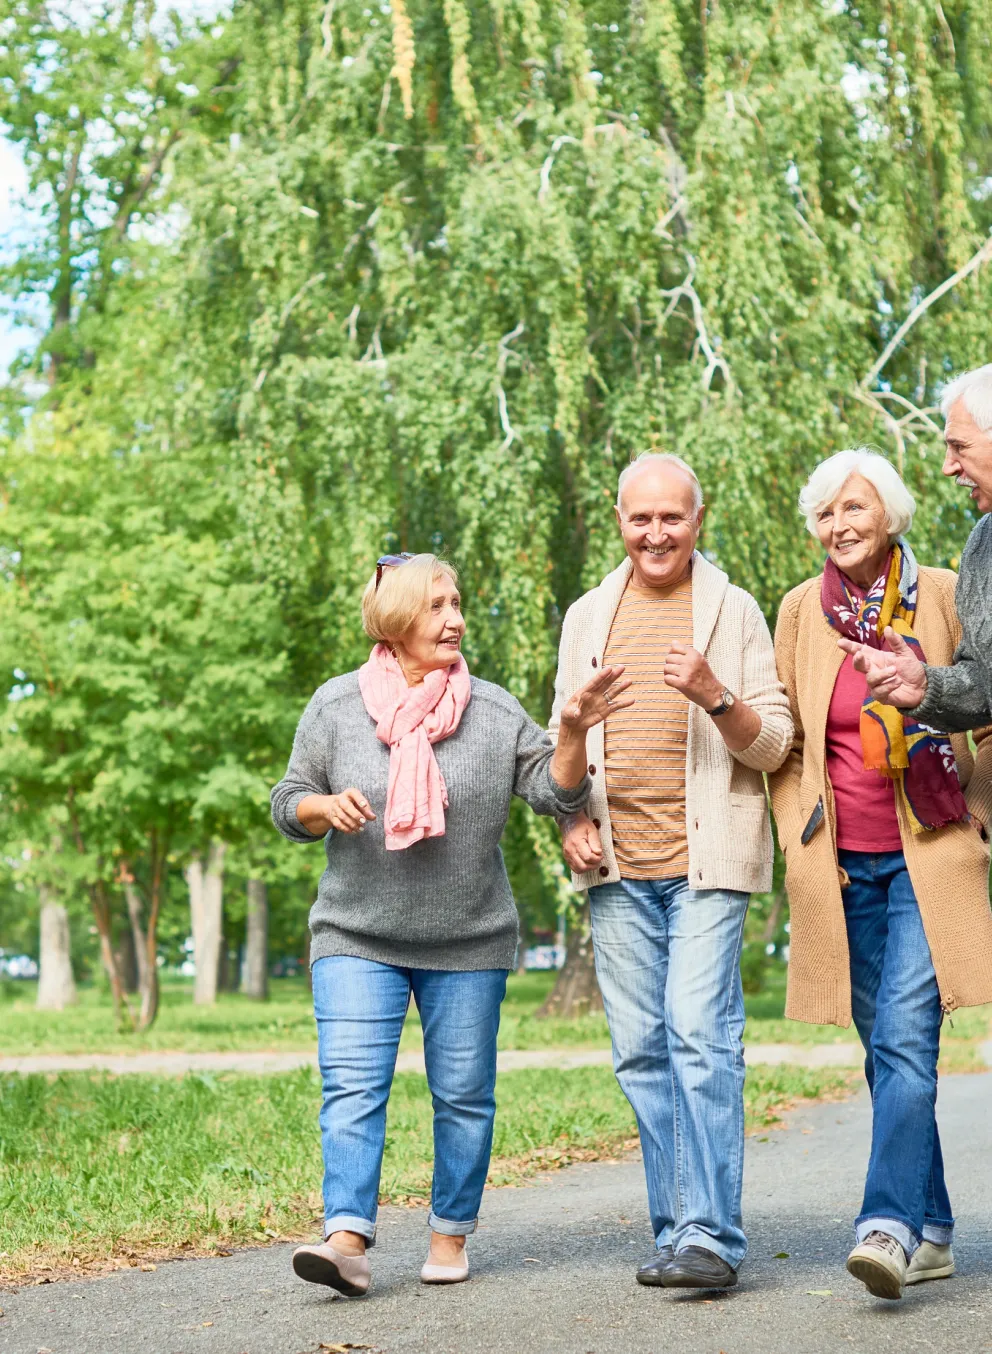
(919, 758)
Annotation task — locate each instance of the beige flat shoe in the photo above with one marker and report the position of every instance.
(434, 1273)
(347, 1274)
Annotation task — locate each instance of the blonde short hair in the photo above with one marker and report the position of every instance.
(830, 476)
(403, 594)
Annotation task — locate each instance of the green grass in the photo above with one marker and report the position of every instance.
(97, 1167)
(285, 1022)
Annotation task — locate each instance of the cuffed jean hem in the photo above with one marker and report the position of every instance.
(903, 1233)
(346, 1222)
(446, 1228)
(938, 1233)
(692, 1236)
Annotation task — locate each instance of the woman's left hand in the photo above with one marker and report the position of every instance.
(598, 698)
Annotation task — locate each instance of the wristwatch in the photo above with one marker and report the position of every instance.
(726, 702)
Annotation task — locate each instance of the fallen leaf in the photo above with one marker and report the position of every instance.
(529, 1260)
(219, 1252)
(341, 1349)
(149, 1269)
(206, 1323)
(819, 1292)
(782, 1255)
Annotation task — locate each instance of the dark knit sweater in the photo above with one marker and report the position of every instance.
(960, 697)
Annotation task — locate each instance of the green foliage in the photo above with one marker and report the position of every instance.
(427, 279)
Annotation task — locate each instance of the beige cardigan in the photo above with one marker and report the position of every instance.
(949, 867)
(730, 843)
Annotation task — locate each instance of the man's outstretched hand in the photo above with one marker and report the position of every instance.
(895, 675)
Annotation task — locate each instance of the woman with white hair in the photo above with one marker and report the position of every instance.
(405, 769)
(886, 868)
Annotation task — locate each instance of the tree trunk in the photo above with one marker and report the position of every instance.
(101, 915)
(127, 959)
(56, 985)
(144, 951)
(255, 969)
(576, 992)
(206, 905)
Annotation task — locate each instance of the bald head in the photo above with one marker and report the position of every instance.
(660, 463)
(659, 512)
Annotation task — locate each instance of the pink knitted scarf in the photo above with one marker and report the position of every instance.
(408, 720)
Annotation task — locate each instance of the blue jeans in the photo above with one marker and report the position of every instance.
(896, 1008)
(360, 1007)
(668, 964)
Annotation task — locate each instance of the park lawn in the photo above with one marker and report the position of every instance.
(98, 1170)
(285, 1023)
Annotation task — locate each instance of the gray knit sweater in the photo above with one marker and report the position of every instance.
(443, 903)
(960, 697)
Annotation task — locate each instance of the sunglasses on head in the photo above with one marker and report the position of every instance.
(389, 562)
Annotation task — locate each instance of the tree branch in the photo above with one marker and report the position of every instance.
(982, 256)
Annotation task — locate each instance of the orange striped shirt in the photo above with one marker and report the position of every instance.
(645, 745)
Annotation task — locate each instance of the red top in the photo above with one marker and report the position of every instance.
(865, 800)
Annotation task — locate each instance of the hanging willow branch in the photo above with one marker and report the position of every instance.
(915, 419)
(404, 55)
(714, 361)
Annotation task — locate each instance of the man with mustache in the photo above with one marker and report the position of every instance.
(675, 840)
(959, 697)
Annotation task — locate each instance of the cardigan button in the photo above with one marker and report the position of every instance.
(603, 870)
(594, 663)
(595, 822)
(592, 769)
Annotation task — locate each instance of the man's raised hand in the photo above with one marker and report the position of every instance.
(895, 675)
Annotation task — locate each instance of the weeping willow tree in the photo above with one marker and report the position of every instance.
(442, 268)
(458, 262)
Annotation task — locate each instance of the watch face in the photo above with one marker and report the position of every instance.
(728, 699)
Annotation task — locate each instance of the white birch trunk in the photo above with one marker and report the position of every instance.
(255, 968)
(206, 904)
(56, 984)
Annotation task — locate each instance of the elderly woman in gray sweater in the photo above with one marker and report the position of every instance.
(405, 769)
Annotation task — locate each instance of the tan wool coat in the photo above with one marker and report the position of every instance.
(727, 825)
(949, 867)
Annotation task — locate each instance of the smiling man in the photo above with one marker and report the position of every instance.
(959, 697)
(675, 840)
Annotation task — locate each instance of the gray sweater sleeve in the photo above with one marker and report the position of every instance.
(533, 780)
(306, 773)
(956, 699)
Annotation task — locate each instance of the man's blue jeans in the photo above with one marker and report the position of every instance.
(668, 964)
(360, 1007)
(896, 1008)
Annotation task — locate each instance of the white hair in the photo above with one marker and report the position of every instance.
(830, 476)
(975, 388)
(661, 458)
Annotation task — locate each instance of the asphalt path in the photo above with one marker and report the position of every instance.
(553, 1266)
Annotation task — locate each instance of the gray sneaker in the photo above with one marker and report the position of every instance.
(880, 1263)
(930, 1262)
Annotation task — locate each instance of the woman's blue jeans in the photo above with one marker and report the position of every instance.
(360, 1007)
(896, 1008)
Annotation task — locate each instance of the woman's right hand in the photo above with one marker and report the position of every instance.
(348, 811)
